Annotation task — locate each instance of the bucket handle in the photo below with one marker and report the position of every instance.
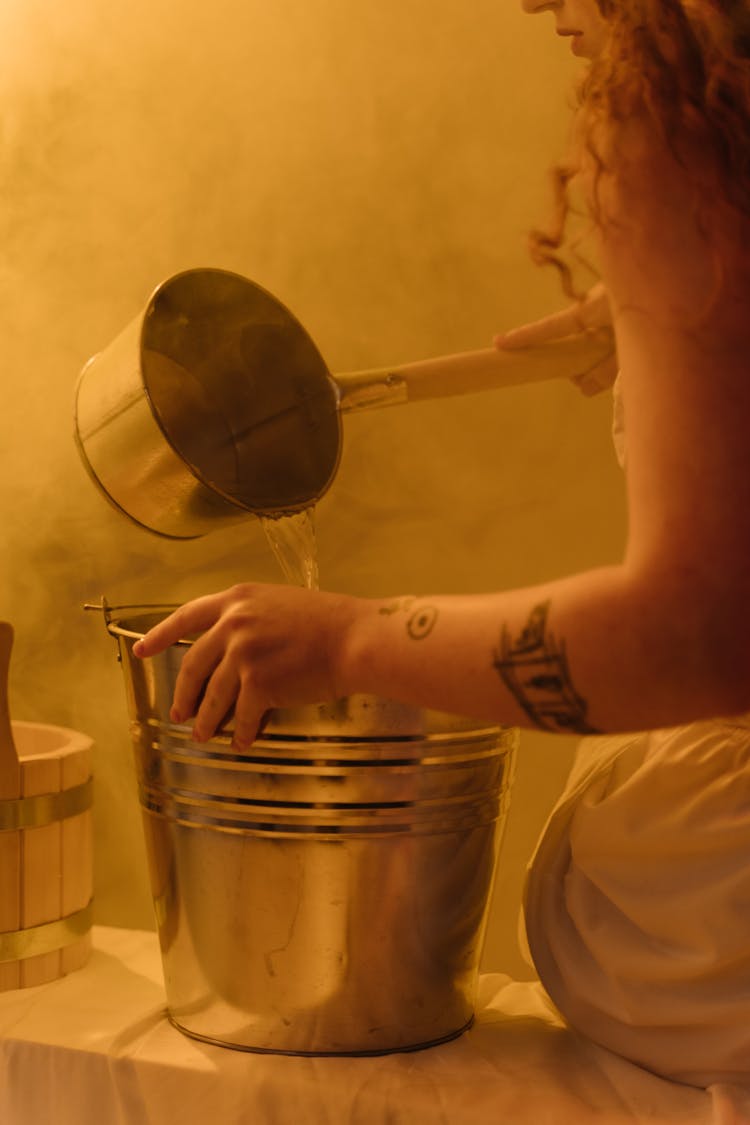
(110, 613)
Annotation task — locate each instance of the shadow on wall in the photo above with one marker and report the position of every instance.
(378, 174)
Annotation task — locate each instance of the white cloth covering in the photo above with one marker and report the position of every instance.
(637, 902)
(96, 1049)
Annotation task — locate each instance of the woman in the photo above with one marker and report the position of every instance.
(638, 911)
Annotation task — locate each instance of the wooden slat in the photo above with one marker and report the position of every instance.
(10, 842)
(41, 862)
(10, 770)
(76, 860)
(10, 901)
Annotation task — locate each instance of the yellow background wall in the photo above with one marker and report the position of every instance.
(375, 165)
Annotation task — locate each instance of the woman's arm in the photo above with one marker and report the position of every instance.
(658, 640)
(605, 650)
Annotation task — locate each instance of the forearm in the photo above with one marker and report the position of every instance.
(605, 650)
(599, 651)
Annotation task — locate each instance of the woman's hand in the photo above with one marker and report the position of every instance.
(593, 314)
(260, 646)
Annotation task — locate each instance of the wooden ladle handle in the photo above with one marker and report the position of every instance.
(10, 770)
(469, 372)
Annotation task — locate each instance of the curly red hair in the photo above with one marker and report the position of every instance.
(684, 65)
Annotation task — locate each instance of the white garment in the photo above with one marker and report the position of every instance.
(637, 901)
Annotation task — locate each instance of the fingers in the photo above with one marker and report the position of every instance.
(247, 718)
(597, 378)
(207, 668)
(563, 323)
(221, 691)
(208, 682)
(199, 665)
(590, 313)
(193, 617)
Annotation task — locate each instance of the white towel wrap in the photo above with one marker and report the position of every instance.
(637, 903)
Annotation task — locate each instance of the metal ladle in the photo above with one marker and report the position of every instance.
(216, 403)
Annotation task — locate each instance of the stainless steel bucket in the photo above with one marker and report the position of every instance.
(326, 892)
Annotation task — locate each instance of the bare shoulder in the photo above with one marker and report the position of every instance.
(678, 273)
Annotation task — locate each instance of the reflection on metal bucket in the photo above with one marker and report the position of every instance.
(326, 892)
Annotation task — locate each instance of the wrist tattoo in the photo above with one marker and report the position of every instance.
(534, 668)
(421, 619)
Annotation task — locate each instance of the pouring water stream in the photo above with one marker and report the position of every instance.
(292, 540)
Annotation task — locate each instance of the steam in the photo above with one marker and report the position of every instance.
(373, 166)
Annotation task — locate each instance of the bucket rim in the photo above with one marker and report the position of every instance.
(421, 723)
(114, 615)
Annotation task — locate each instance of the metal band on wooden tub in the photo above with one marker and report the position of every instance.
(46, 808)
(48, 938)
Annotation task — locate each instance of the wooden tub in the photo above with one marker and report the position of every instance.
(46, 858)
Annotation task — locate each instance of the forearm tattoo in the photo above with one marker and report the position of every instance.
(420, 620)
(535, 670)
